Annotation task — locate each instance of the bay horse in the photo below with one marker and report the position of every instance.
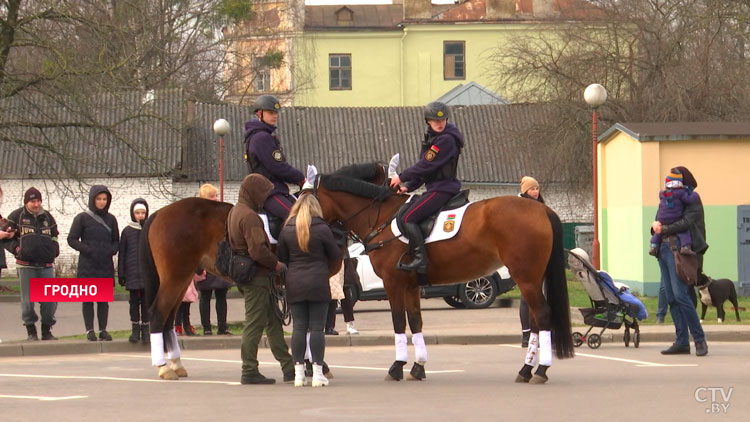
(175, 241)
(524, 235)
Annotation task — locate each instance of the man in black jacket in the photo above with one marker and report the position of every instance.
(35, 248)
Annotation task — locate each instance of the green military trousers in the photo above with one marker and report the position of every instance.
(259, 315)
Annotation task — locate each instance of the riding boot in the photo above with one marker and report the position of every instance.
(136, 332)
(418, 253)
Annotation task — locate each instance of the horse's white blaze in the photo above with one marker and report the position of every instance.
(545, 348)
(402, 353)
(532, 353)
(420, 349)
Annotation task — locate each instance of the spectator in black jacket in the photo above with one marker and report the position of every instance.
(129, 272)
(95, 235)
(34, 244)
(212, 285)
(307, 246)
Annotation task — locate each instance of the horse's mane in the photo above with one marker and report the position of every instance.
(350, 179)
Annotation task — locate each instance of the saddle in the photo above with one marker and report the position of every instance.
(273, 226)
(458, 200)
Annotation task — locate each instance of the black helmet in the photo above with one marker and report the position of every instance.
(436, 111)
(266, 102)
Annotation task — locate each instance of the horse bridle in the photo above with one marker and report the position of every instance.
(375, 231)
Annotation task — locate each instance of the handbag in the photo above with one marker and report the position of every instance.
(240, 268)
(686, 264)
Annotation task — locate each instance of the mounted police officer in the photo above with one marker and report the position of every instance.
(265, 156)
(436, 168)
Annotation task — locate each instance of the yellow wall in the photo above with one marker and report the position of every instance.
(396, 68)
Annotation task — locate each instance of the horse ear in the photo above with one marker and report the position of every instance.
(312, 173)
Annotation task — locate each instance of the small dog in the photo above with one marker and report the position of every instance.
(715, 293)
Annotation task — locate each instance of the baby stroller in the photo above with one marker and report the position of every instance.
(611, 305)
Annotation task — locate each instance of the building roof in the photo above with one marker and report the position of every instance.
(389, 16)
(676, 131)
(331, 137)
(127, 133)
(471, 93)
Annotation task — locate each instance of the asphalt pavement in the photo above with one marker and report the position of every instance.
(441, 325)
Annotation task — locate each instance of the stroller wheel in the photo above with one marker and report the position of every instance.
(626, 337)
(577, 339)
(594, 341)
(636, 338)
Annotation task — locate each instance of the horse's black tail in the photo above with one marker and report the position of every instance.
(150, 278)
(557, 292)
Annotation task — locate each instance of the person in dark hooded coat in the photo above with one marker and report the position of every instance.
(247, 237)
(129, 272)
(95, 235)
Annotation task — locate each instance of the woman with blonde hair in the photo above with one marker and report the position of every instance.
(307, 247)
(212, 285)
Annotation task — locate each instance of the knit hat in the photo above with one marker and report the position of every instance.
(31, 194)
(673, 180)
(528, 182)
(140, 206)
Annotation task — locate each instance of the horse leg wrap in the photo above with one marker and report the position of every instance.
(173, 347)
(402, 354)
(417, 372)
(396, 371)
(157, 350)
(540, 376)
(545, 348)
(524, 375)
(532, 352)
(420, 349)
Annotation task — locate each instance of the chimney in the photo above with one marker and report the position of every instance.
(417, 9)
(501, 9)
(543, 8)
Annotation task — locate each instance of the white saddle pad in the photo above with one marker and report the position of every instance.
(446, 225)
(272, 240)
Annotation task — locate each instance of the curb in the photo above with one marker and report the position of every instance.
(72, 347)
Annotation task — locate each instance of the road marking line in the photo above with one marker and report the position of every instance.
(636, 362)
(81, 377)
(42, 398)
(366, 368)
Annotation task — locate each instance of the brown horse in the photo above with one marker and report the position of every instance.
(524, 235)
(176, 240)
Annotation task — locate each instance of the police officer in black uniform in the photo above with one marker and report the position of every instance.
(265, 156)
(436, 169)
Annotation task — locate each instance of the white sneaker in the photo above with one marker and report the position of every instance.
(318, 379)
(350, 328)
(299, 375)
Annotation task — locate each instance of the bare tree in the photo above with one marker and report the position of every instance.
(660, 60)
(86, 85)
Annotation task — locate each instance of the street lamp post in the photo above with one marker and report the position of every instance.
(595, 95)
(221, 128)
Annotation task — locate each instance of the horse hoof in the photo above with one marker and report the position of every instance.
(521, 379)
(538, 379)
(167, 373)
(417, 372)
(176, 366)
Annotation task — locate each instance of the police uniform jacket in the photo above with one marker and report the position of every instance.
(438, 162)
(265, 156)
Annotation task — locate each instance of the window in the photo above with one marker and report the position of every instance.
(261, 74)
(454, 64)
(340, 70)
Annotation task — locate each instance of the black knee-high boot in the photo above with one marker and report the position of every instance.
(416, 243)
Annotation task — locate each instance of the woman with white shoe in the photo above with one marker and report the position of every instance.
(307, 247)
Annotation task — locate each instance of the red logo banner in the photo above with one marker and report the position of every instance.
(71, 290)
